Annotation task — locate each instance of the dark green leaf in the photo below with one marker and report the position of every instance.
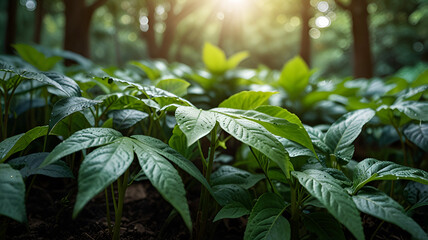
(324, 226)
(12, 197)
(231, 175)
(126, 118)
(70, 87)
(418, 134)
(232, 210)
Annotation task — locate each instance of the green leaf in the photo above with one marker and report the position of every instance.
(178, 142)
(228, 193)
(36, 58)
(100, 168)
(317, 138)
(371, 169)
(323, 225)
(70, 87)
(40, 78)
(19, 142)
(12, 197)
(246, 100)
(165, 178)
(232, 210)
(152, 74)
(67, 106)
(254, 135)
(126, 118)
(214, 59)
(266, 220)
(337, 201)
(86, 138)
(277, 126)
(231, 175)
(175, 86)
(195, 123)
(371, 201)
(279, 112)
(345, 130)
(294, 77)
(29, 165)
(236, 59)
(163, 149)
(422, 79)
(70, 124)
(418, 134)
(412, 109)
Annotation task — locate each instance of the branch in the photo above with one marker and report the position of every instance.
(342, 5)
(188, 8)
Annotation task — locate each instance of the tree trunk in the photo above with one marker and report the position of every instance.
(305, 41)
(12, 8)
(363, 65)
(40, 14)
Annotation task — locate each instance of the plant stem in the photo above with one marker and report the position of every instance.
(204, 206)
(294, 210)
(122, 184)
(204, 161)
(264, 172)
(113, 197)
(108, 213)
(377, 230)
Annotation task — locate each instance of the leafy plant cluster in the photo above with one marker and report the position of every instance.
(156, 122)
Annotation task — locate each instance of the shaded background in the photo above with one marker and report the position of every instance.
(363, 38)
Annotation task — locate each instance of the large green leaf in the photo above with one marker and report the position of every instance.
(12, 197)
(36, 58)
(228, 193)
(86, 138)
(70, 124)
(324, 226)
(165, 178)
(40, 78)
(246, 100)
(19, 142)
(236, 59)
(152, 74)
(327, 190)
(175, 86)
(371, 201)
(231, 175)
(412, 109)
(163, 149)
(29, 165)
(279, 112)
(344, 131)
(266, 220)
(277, 126)
(232, 210)
(67, 106)
(70, 87)
(254, 135)
(195, 123)
(126, 118)
(418, 134)
(214, 59)
(294, 77)
(371, 170)
(100, 168)
(317, 138)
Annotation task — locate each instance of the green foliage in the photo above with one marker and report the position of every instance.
(36, 58)
(216, 62)
(12, 198)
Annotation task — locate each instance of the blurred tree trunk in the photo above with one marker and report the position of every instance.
(40, 14)
(305, 41)
(363, 64)
(161, 49)
(12, 8)
(77, 25)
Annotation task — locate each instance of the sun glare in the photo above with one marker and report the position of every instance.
(234, 4)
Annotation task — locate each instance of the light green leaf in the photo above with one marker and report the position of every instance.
(327, 190)
(214, 59)
(236, 59)
(371, 201)
(67, 106)
(86, 138)
(279, 112)
(165, 178)
(422, 79)
(345, 130)
(231, 175)
(36, 58)
(163, 149)
(195, 123)
(266, 220)
(175, 86)
(232, 210)
(371, 169)
(29, 165)
(323, 225)
(294, 77)
(152, 74)
(19, 142)
(418, 134)
(12, 197)
(246, 100)
(254, 135)
(100, 168)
